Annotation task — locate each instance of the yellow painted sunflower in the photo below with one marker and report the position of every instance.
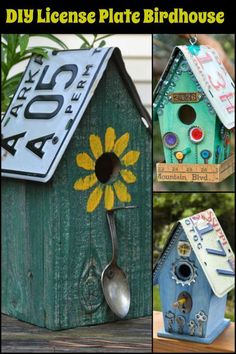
(106, 166)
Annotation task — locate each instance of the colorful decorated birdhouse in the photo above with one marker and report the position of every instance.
(75, 144)
(194, 104)
(195, 271)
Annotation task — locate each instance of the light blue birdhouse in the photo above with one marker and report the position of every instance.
(194, 104)
(195, 271)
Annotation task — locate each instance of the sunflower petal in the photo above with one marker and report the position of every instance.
(121, 144)
(110, 138)
(122, 192)
(94, 199)
(130, 158)
(85, 183)
(84, 160)
(109, 197)
(95, 146)
(128, 176)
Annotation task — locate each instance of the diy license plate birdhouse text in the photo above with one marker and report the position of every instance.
(76, 123)
(194, 104)
(195, 271)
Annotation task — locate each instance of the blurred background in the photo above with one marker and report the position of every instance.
(168, 208)
(163, 45)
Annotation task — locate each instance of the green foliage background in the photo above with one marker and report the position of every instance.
(17, 48)
(168, 208)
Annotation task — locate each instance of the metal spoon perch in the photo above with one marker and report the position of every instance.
(115, 284)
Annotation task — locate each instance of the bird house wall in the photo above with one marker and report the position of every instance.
(54, 249)
(170, 122)
(216, 314)
(221, 150)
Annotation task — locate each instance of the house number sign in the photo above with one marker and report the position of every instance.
(46, 109)
(185, 97)
(214, 252)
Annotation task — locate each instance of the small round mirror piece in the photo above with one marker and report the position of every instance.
(170, 140)
(196, 134)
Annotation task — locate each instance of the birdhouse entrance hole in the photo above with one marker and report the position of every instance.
(107, 167)
(185, 307)
(184, 271)
(187, 114)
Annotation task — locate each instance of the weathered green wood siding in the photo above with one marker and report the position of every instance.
(50, 242)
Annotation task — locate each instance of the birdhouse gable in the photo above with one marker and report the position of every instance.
(210, 246)
(48, 106)
(212, 250)
(213, 82)
(171, 242)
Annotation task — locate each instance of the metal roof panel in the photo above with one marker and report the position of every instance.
(211, 75)
(48, 105)
(214, 79)
(212, 250)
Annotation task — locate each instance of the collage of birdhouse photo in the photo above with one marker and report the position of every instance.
(117, 165)
(193, 112)
(193, 199)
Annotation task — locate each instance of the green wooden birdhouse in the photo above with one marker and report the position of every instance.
(194, 103)
(75, 148)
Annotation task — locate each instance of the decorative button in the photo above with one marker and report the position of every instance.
(180, 155)
(170, 140)
(205, 154)
(196, 134)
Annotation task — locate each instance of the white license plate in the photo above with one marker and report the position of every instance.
(46, 109)
(212, 250)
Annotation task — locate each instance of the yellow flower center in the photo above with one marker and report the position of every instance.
(107, 167)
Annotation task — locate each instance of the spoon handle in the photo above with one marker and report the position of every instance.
(112, 227)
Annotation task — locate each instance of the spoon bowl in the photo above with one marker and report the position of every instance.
(116, 289)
